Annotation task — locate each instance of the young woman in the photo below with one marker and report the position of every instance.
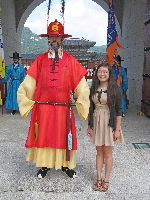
(104, 122)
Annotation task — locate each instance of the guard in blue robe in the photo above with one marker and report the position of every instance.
(120, 76)
(15, 74)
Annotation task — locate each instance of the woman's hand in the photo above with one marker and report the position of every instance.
(116, 134)
(90, 132)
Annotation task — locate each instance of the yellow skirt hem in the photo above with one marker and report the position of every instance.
(51, 158)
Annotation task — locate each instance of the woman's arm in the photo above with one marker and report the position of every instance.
(118, 123)
(90, 118)
(118, 102)
(118, 114)
(91, 111)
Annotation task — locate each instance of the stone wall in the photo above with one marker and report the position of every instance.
(133, 43)
(11, 38)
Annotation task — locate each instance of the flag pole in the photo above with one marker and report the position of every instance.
(49, 5)
(62, 11)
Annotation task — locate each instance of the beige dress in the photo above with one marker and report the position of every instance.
(102, 133)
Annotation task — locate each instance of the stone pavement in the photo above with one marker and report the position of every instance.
(130, 178)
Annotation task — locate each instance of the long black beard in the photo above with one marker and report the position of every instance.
(54, 46)
(56, 56)
(56, 60)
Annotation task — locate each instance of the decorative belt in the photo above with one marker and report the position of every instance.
(56, 104)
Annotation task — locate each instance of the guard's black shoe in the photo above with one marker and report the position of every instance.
(13, 112)
(42, 172)
(123, 115)
(70, 172)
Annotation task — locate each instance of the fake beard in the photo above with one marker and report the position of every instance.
(54, 46)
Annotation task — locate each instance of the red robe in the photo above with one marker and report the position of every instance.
(53, 86)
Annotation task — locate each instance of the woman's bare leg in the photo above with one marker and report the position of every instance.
(99, 161)
(99, 166)
(108, 161)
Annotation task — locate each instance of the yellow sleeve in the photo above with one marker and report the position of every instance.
(25, 95)
(82, 104)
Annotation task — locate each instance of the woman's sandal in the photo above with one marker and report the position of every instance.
(97, 185)
(104, 186)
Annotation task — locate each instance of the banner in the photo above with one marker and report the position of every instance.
(2, 63)
(112, 36)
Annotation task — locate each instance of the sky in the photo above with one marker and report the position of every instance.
(83, 18)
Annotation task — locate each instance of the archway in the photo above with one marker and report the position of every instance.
(33, 4)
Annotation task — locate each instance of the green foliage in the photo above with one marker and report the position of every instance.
(32, 43)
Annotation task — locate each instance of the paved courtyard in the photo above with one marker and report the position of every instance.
(130, 178)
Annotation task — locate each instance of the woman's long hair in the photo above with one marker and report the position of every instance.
(111, 89)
